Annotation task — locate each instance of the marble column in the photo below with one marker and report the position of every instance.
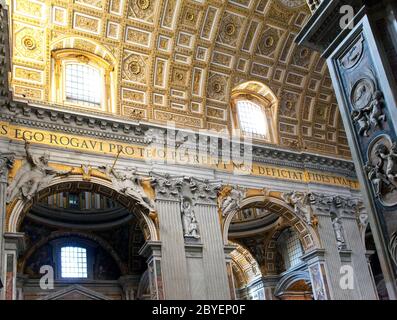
(361, 49)
(344, 251)
(193, 253)
(6, 161)
(173, 258)
(217, 283)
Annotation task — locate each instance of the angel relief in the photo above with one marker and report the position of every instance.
(33, 175)
(129, 183)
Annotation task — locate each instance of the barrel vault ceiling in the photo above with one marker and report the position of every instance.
(179, 60)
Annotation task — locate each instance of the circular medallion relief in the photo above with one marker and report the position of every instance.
(362, 92)
(382, 169)
(29, 43)
(353, 56)
(143, 4)
(230, 29)
(134, 67)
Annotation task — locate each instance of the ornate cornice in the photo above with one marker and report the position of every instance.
(118, 129)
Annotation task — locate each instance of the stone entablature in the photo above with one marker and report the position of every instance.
(145, 134)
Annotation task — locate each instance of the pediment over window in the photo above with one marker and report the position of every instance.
(75, 292)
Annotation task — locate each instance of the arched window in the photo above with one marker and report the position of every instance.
(74, 262)
(290, 248)
(81, 79)
(254, 111)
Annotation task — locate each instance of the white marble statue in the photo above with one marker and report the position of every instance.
(35, 173)
(129, 183)
(232, 201)
(301, 204)
(340, 239)
(189, 222)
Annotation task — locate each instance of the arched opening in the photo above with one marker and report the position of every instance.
(270, 237)
(82, 74)
(254, 111)
(88, 235)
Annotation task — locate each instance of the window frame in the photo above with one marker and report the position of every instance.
(58, 244)
(268, 108)
(264, 136)
(61, 58)
(79, 248)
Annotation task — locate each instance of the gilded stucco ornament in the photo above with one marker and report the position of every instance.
(293, 3)
(29, 43)
(206, 41)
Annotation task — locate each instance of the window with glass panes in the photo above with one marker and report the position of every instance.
(73, 262)
(252, 118)
(83, 84)
(290, 248)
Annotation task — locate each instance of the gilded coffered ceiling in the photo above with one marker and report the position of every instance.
(179, 60)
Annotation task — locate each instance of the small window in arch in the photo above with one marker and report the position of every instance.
(81, 79)
(73, 262)
(252, 119)
(83, 85)
(254, 112)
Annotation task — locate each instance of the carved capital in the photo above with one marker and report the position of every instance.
(167, 187)
(204, 191)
